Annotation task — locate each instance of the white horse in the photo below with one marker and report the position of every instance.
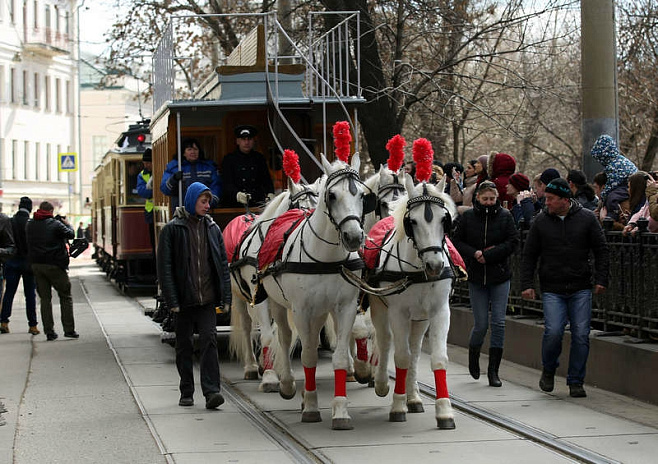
(307, 282)
(248, 315)
(416, 251)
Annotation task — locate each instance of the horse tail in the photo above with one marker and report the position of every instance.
(237, 348)
(330, 336)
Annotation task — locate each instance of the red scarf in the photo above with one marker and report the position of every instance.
(41, 214)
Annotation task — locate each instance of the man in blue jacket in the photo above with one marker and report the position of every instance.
(194, 277)
(561, 238)
(194, 168)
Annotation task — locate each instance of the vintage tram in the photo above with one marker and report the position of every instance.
(122, 247)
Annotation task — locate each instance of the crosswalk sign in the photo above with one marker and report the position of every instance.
(68, 162)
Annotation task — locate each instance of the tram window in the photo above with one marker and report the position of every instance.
(131, 197)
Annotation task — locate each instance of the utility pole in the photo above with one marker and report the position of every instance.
(598, 77)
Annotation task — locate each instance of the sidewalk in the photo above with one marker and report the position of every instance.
(67, 400)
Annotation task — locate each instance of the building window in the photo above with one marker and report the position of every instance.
(67, 23)
(69, 103)
(12, 86)
(12, 11)
(2, 81)
(58, 96)
(98, 148)
(46, 89)
(25, 88)
(60, 175)
(49, 161)
(14, 159)
(26, 159)
(56, 18)
(38, 162)
(36, 14)
(36, 90)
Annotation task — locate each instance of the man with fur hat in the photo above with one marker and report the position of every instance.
(560, 239)
(245, 173)
(17, 267)
(194, 277)
(145, 190)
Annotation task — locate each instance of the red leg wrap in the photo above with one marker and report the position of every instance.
(441, 383)
(267, 359)
(340, 382)
(309, 375)
(400, 381)
(362, 349)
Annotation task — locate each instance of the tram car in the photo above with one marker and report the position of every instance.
(122, 246)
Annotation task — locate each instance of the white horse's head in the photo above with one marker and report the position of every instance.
(342, 198)
(426, 220)
(303, 196)
(389, 189)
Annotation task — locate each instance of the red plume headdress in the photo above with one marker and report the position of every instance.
(291, 165)
(342, 139)
(423, 156)
(395, 147)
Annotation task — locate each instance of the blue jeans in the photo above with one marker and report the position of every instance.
(577, 309)
(14, 270)
(482, 297)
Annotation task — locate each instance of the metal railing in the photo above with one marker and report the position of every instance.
(630, 303)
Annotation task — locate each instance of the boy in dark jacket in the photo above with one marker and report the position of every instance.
(47, 238)
(561, 238)
(194, 278)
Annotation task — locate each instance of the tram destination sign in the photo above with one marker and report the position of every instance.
(67, 162)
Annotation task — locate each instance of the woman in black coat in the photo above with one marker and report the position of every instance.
(486, 236)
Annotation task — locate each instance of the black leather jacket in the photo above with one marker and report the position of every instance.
(7, 246)
(46, 241)
(174, 276)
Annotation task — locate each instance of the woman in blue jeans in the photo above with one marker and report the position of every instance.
(486, 236)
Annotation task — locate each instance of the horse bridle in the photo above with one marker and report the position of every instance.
(297, 197)
(353, 177)
(395, 186)
(426, 200)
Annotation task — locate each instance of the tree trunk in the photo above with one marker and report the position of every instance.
(652, 144)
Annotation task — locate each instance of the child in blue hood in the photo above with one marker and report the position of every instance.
(194, 277)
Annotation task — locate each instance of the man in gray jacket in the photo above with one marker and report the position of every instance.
(194, 277)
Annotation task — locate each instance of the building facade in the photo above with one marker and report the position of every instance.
(38, 103)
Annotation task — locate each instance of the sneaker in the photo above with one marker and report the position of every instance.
(51, 336)
(214, 400)
(73, 334)
(547, 381)
(576, 390)
(186, 401)
(4, 327)
(33, 330)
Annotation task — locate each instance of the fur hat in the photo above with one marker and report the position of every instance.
(25, 203)
(548, 175)
(519, 181)
(148, 155)
(559, 187)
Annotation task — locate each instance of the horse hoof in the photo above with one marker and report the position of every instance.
(382, 390)
(311, 416)
(363, 380)
(285, 395)
(371, 383)
(397, 417)
(269, 388)
(251, 375)
(350, 378)
(415, 407)
(341, 424)
(445, 424)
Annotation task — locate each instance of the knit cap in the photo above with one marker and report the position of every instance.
(548, 175)
(559, 187)
(519, 181)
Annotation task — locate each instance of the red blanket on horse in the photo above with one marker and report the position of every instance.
(383, 229)
(234, 233)
(277, 235)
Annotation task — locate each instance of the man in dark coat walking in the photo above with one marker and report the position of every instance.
(561, 238)
(194, 277)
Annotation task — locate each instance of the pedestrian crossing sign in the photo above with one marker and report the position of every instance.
(68, 162)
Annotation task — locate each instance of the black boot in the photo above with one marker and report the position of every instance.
(474, 361)
(495, 355)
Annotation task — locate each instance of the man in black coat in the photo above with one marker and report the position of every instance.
(47, 238)
(561, 238)
(7, 249)
(194, 278)
(18, 267)
(245, 175)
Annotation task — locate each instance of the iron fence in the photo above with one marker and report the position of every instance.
(630, 303)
